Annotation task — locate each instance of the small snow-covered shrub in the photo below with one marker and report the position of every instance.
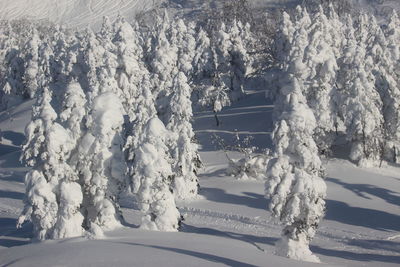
(249, 167)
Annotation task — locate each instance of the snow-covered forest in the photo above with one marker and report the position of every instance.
(143, 124)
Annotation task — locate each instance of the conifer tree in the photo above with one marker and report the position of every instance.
(202, 64)
(294, 176)
(53, 195)
(184, 152)
(153, 175)
(362, 108)
(144, 111)
(321, 74)
(130, 68)
(101, 163)
(32, 64)
(390, 81)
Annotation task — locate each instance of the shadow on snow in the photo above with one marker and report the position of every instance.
(218, 195)
(374, 219)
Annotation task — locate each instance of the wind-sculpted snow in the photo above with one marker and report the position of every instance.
(74, 13)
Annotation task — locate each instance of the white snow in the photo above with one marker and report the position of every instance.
(228, 224)
(74, 13)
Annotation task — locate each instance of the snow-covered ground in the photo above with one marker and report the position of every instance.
(73, 13)
(228, 224)
(84, 13)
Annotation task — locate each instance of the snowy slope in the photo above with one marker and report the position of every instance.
(84, 13)
(74, 13)
(228, 225)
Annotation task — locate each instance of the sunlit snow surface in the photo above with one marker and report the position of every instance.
(228, 224)
(73, 13)
(84, 13)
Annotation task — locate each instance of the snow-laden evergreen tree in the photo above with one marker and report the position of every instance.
(390, 81)
(361, 105)
(53, 196)
(101, 163)
(239, 60)
(92, 59)
(320, 59)
(381, 68)
(99, 157)
(281, 49)
(231, 56)
(70, 219)
(182, 40)
(73, 110)
(106, 34)
(216, 94)
(183, 150)
(12, 77)
(284, 39)
(44, 75)
(61, 64)
(392, 33)
(335, 28)
(294, 176)
(250, 42)
(153, 176)
(202, 63)
(301, 18)
(144, 110)
(40, 201)
(293, 62)
(164, 66)
(130, 68)
(32, 64)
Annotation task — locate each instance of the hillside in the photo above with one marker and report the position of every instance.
(83, 13)
(228, 225)
(199, 141)
(73, 13)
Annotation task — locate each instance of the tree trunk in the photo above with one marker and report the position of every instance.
(216, 118)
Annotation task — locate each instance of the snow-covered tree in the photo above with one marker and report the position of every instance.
(53, 196)
(40, 202)
(106, 33)
(284, 38)
(215, 94)
(294, 176)
(320, 60)
(164, 66)
(231, 57)
(202, 64)
(144, 110)
(182, 40)
(73, 110)
(92, 60)
(32, 64)
(362, 110)
(184, 151)
(281, 49)
(153, 176)
(130, 68)
(238, 60)
(390, 81)
(13, 63)
(100, 162)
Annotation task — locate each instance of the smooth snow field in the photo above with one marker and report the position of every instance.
(73, 13)
(228, 225)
